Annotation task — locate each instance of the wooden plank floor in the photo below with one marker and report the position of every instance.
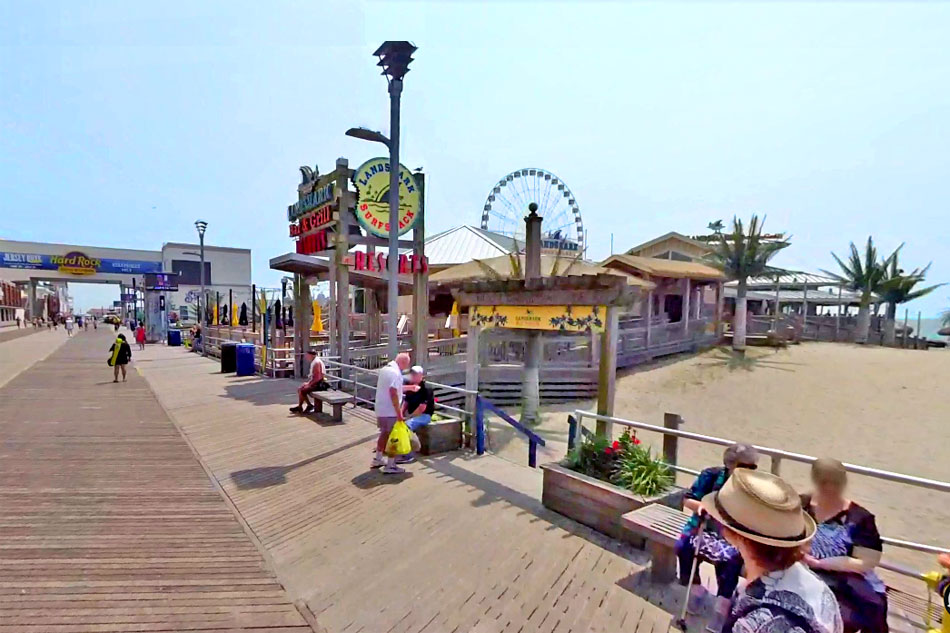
(460, 544)
(107, 520)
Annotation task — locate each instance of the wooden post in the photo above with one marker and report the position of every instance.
(686, 292)
(649, 318)
(805, 308)
(719, 300)
(420, 282)
(332, 312)
(671, 442)
(917, 332)
(776, 467)
(775, 319)
(253, 308)
(904, 334)
(471, 375)
(607, 374)
(342, 271)
(838, 314)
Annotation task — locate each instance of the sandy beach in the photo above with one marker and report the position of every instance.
(884, 408)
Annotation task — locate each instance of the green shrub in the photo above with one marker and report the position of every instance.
(624, 462)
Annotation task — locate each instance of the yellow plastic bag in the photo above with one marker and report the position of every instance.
(399, 442)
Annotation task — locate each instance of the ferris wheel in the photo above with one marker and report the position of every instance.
(507, 205)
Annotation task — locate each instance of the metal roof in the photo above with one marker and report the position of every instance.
(664, 267)
(462, 244)
(792, 279)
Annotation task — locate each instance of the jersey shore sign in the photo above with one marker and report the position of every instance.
(556, 318)
(372, 208)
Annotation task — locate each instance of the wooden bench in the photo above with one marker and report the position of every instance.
(660, 526)
(336, 399)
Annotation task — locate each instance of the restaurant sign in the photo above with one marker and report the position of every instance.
(372, 208)
(77, 263)
(555, 318)
(318, 197)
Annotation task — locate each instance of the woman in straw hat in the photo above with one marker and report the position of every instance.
(761, 516)
(708, 542)
(846, 549)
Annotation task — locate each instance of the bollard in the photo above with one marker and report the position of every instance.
(571, 432)
(671, 442)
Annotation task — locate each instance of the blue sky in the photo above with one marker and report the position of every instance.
(121, 123)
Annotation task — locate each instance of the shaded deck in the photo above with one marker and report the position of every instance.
(459, 544)
(108, 521)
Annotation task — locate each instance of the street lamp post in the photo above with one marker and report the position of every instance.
(201, 225)
(394, 57)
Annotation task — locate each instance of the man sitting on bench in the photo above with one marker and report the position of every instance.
(316, 382)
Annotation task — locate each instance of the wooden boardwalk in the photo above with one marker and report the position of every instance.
(107, 520)
(460, 544)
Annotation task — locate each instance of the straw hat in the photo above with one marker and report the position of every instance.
(762, 508)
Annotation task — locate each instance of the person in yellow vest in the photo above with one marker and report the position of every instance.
(120, 354)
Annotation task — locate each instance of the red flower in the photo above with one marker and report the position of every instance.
(636, 441)
(615, 445)
(608, 451)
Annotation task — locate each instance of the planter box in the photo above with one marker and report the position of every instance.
(597, 504)
(441, 436)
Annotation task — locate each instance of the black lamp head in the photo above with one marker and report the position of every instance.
(395, 57)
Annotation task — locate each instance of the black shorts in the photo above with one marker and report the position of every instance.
(320, 385)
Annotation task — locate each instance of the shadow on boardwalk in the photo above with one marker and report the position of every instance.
(267, 476)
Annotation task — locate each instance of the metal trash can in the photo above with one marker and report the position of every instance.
(245, 359)
(228, 360)
(174, 338)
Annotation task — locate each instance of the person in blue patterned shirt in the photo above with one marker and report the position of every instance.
(846, 549)
(710, 545)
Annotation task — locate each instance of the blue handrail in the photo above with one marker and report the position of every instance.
(482, 403)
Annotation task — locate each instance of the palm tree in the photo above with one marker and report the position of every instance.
(898, 288)
(865, 275)
(741, 255)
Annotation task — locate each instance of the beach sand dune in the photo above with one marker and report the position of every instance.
(884, 408)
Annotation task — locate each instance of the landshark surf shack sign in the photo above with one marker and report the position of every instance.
(372, 208)
(315, 215)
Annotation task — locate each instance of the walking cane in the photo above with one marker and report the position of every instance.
(680, 622)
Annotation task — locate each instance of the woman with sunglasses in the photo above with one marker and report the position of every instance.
(846, 549)
(709, 543)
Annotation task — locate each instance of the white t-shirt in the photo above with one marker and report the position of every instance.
(389, 376)
(317, 363)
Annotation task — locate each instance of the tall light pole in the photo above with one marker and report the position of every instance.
(394, 58)
(201, 225)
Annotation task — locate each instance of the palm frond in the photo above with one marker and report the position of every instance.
(743, 252)
(490, 272)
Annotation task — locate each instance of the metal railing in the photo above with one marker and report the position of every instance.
(671, 434)
(342, 378)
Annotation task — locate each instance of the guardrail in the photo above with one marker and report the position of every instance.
(671, 435)
(341, 378)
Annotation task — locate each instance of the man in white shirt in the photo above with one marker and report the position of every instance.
(389, 409)
(316, 381)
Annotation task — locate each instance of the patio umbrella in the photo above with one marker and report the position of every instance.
(317, 318)
(242, 320)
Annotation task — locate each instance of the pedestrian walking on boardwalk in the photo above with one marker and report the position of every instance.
(121, 354)
(140, 336)
(389, 410)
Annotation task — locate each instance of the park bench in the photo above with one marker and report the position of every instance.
(336, 399)
(662, 525)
